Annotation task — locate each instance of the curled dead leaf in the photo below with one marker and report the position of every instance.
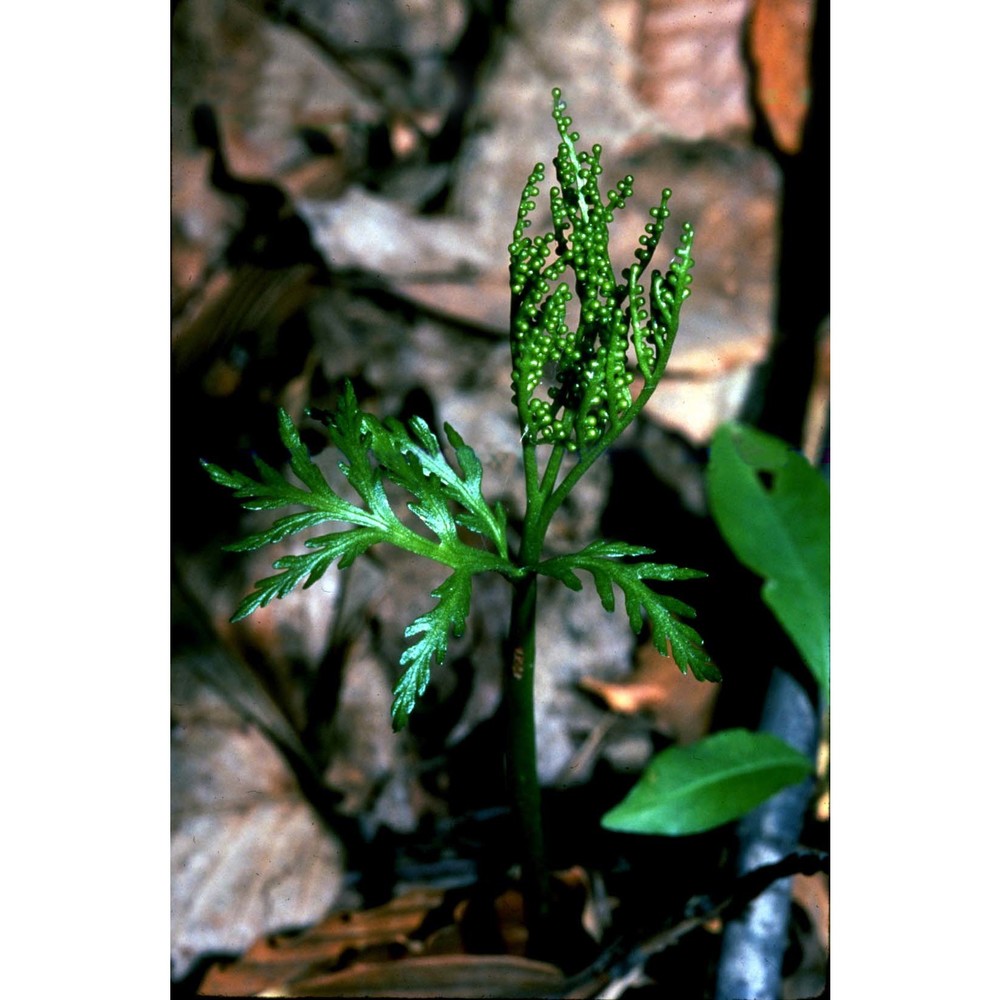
(679, 705)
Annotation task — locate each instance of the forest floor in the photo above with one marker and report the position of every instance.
(345, 179)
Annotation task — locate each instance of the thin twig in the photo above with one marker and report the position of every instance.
(620, 959)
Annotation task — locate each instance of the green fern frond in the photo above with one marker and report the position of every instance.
(601, 560)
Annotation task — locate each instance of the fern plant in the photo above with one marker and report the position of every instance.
(576, 387)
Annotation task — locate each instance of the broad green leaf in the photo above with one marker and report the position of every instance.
(690, 789)
(779, 527)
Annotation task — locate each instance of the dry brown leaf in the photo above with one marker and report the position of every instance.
(817, 422)
(691, 68)
(232, 301)
(438, 976)
(382, 952)
(248, 854)
(392, 950)
(679, 705)
(278, 960)
(780, 33)
(812, 894)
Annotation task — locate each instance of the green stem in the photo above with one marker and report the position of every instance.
(519, 700)
(453, 554)
(539, 512)
(522, 762)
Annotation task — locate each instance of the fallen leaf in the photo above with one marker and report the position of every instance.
(780, 32)
(816, 433)
(248, 854)
(276, 961)
(690, 67)
(420, 944)
(440, 976)
(811, 928)
(812, 893)
(679, 705)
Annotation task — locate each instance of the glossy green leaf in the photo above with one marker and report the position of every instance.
(434, 628)
(344, 546)
(690, 789)
(601, 560)
(773, 509)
